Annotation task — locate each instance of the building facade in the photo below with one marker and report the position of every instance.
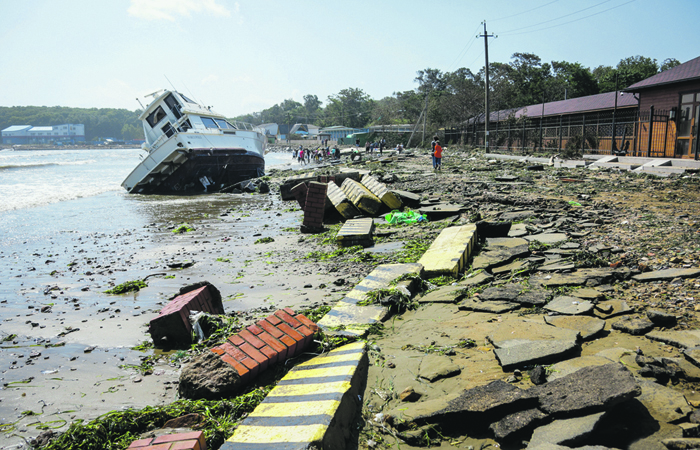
(27, 134)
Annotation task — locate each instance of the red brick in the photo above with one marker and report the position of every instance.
(140, 443)
(252, 364)
(270, 354)
(185, 445)
(276, 345)
(236, 340)
(289, 311)
(256, 355)
(294, 323)
(256, 330)
(306, 321)
(165, 446)
(252, 340)
(192, 435)
(291, 345)
(270, 328)
(274, 320)
(308, 335)
(240, 368)
(291, 332)
(218, 350)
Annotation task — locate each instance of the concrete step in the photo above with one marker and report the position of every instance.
(312, 406)
(449, 252)
(356, 232)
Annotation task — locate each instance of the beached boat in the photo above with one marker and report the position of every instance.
(192, 148)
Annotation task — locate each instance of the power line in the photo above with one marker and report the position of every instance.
(556, 18)
(575, 20)
(524, 12)
(466, 48)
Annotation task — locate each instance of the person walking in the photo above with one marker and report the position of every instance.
(437, 156)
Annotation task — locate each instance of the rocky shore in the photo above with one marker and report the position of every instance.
(597, 271)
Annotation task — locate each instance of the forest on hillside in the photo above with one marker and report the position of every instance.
(453, 97)
(99, 123)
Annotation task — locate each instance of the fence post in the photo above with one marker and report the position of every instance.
(509, 124)
(583, 135)
(651, 130)
(560, 131)
(522, 141)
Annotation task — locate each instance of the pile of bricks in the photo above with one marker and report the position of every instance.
(276, 338)
(179, 441)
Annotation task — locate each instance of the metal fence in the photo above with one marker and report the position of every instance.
(590, 133)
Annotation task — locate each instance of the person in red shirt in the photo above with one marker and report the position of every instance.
(437, 156)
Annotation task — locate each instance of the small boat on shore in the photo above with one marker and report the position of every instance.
(193, 149)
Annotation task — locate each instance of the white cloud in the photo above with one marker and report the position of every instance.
(172, 9)
(210, 79)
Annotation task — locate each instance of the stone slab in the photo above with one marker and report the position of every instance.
(680, 339)
(580, 277)
(312, 406)
(527, 353)
(564, 368)
(566, 432)
(633, 325)
(547, 238)
(445, 294)
(516, 423)
(587, 327)
(435, 367)
(664, 404)
(612, 308)
(516, 328)
(496, 256)
(476, 279)
(569, 305)
(449, 252)
(494, 307)
(667, 274)
(406, 197)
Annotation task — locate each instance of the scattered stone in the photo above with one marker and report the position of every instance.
(435, 367)
(569, 305)
(538, 375)
(522, 353)
(506, 293)
(208, 377)
(587, 390)
(564, 368)
(547, 238)
(633, 325)
(581, 277)
(680, 339)
(476, 279)
(588, 327)
(445, 294)
(588, 294)
(471, 304)
(612, 308)
(409, 395)
(681, 443)
(690, 429)
(487, 229)
(497, 256)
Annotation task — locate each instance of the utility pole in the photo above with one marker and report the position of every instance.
(613, 146)
(425, 117)
(486, 37)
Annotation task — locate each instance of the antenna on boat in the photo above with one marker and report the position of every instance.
(192, 95)
(171, 84)
(137, 99)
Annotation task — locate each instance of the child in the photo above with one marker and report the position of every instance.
(437, 156)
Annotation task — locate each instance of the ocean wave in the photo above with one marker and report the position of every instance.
(44, 164)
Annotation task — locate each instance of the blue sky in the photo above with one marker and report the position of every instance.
(244, 56)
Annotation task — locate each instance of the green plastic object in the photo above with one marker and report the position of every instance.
(573, 203)
(397, 217)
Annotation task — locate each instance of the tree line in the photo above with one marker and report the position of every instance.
(451, 98)
(99, 122)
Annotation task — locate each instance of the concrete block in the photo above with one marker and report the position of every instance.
(173, 324)
(450, 251)
(380, 190)
(299, 192)
(408, 198)
(341, 202)
(356, 232)
(314, 207)
(361, 197)
(313, 406)
(289, 183)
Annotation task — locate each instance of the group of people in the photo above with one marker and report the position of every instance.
(371, 147)
(305, 156)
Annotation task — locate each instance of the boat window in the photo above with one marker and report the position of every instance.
(173, 105)
(156, 116)
(187, 99)
(209, 123)
(186, 125)
(224, 125)
(168, 129)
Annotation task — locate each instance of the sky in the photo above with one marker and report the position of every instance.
(244, 56)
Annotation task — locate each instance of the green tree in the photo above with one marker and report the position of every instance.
(350, 107)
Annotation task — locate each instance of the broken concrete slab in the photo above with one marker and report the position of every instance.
(569, 305)
(408, 198)
(588, 390)
(445, 294)
(567, 432)
(547, 238)
(680, 339)
(664, 404)
(436, 367)
(518, 354)
(518, 230)
(633, 325)
(476, 279)
(514, 266)
(564, 368)
(380, 191)
(449, 252)
(587, 327)
(581, 277)
(692, 354)
(588, 294)
(661, 318)
(666, 274)
(516, 423)
(612, 308)
(497, 256)
(505, 293)
(507, 242)
(493, 307)
(362, 198)
(341, 202)
(492, 400)
(487, 229)
(528, 330)
(681, 443)
(356, 232)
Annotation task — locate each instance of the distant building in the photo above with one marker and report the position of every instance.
(27, 134)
